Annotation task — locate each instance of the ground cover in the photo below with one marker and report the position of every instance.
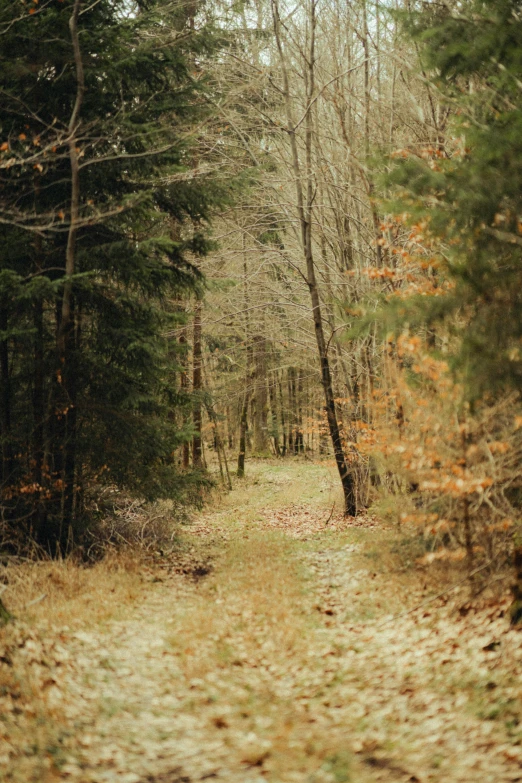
(280, 644)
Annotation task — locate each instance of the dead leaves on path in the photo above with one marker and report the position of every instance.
(36, 671)
(265, 670)
(303, 521)
(443, 691)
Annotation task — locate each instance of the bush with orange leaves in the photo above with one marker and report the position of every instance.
(459, 465)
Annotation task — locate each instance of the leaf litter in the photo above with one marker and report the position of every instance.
(283, 661)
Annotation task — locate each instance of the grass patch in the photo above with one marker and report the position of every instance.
(76, 595)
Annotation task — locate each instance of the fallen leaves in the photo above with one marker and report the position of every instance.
(301, 521)
(262, 657)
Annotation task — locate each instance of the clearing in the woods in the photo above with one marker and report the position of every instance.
(275, 647)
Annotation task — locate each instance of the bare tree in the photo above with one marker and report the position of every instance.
(305, 195)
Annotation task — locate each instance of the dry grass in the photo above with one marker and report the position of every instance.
(69, 593)
(246, 599)
(295, 480)
(394, 558)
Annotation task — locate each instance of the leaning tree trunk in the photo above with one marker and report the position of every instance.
(304, 183)
(243, 420)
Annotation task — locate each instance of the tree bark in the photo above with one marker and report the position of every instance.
(55, 535)
(70, 252)
(299, 431)
(260, 418)
(367, 109)
(273, 414)
(242, 438)
(291, 410)
(230, 428)
(515, 610)
(283, 422)
(184, 384)
(39, 515)
(7, 448)
(197, 417)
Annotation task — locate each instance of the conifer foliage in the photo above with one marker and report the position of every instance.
(458, 284)
(463, 194)
(99, 211)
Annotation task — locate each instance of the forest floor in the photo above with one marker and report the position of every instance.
(268, 650)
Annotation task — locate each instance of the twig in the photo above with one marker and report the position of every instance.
(433, 598)
(331, 515)
(36, 600)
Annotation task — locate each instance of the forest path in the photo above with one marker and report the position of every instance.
(283, 665)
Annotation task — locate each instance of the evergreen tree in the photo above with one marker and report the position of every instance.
(99, 211)
(467, 192)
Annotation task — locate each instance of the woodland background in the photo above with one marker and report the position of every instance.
(269, 229)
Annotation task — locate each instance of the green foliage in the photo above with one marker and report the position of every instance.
(104, 408)
(469, 193)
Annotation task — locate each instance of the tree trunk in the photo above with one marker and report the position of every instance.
(304, 210)
(367, 107)
(39, 515)
(7, 446)
(55, 533)
(74, 121)
(515, 610)
(291, 410)
(299, 431)
(70, 378)
(249, 380)
(260, 412)
(230, 429)
(197, 417)
(283, 422)
(242, 438)
(52, 536)
(273, 415)
(184, 384)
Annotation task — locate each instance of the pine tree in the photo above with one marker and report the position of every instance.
(99, 212)
(463, 199)
(467, 193)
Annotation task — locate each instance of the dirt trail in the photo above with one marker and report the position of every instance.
(283, 664)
